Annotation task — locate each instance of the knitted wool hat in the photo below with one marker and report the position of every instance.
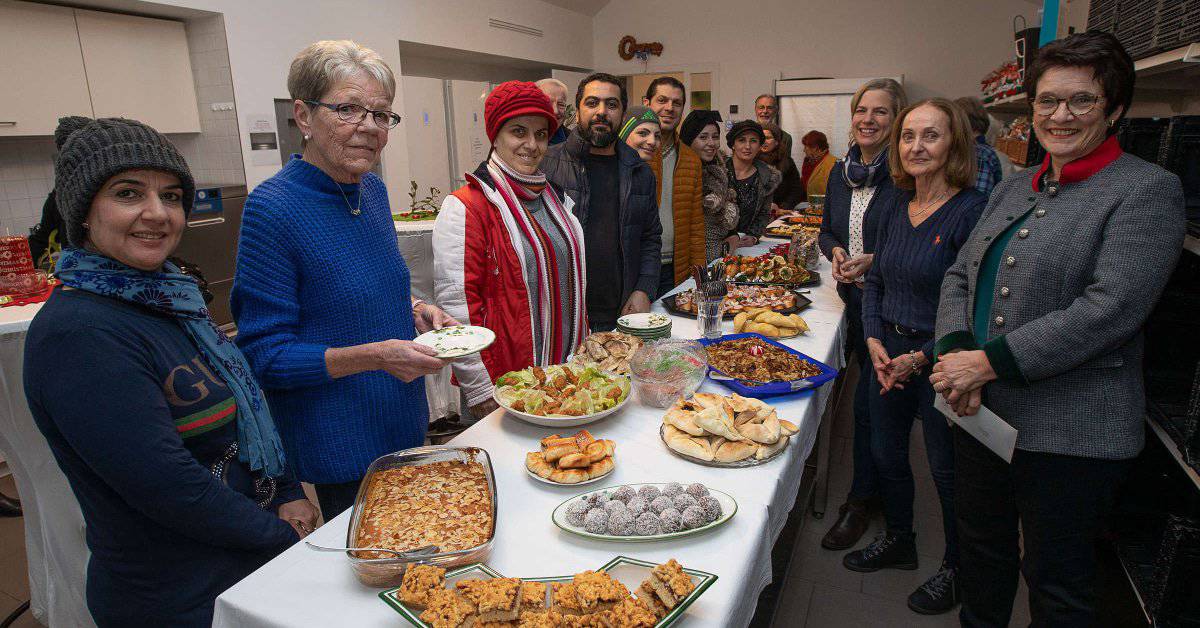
(99, 149)
(636, 115)
(695, 122)
(512, 99)
(743, 127)
(66, 126)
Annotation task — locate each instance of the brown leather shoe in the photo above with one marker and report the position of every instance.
(853, 519)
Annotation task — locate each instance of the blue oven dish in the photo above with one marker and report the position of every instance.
(774, 388)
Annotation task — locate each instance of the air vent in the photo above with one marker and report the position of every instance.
(517, 28)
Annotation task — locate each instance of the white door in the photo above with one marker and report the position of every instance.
(425, 127)
(828, 114)
(471, 144)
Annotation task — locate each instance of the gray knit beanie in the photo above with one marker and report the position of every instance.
(94, 152)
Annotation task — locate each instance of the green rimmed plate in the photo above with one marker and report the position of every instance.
(630, 572)
(559, 516)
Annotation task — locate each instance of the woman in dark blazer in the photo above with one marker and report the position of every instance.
(858, 186)
(1040, 319)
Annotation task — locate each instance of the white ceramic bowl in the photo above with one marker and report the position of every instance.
(562, 421)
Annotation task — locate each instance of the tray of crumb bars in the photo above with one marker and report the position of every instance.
(623, 592)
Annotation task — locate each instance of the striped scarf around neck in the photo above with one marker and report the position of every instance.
(526, 186)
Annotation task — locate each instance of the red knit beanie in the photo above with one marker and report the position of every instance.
(512, 99)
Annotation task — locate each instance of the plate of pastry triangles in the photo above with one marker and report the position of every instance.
(728, 431)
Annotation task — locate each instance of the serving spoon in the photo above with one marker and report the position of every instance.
(428, 550)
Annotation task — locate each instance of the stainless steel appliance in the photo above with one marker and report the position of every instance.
(211, 239)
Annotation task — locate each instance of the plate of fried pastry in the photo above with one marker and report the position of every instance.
(571, 460)
(725, 431)
(477, 595)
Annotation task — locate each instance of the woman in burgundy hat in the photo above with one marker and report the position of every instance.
(508, 252)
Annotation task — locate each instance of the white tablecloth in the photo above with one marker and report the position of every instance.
(304, 588)
(54, 531)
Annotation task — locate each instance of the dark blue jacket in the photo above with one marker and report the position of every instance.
(641, 230)
(835, 225)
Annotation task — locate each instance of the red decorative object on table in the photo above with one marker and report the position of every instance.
(20, 283)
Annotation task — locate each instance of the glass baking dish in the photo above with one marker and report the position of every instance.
(387, 572)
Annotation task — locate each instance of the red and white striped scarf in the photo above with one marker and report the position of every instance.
(512, 187)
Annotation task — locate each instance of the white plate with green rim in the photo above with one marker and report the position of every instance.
(631, 572)
(457, 341)
(559, 517)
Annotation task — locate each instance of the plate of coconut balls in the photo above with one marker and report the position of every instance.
(645, 512)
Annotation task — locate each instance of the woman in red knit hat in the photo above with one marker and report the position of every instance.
(508, 252)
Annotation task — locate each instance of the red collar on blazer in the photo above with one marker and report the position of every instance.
(1084, 167)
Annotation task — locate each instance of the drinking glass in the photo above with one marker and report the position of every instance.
(709, 311)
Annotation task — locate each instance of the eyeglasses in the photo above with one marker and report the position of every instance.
(355, 114)
(1079, 105)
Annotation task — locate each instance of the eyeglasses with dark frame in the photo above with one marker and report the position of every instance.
(355, 114)
(1079, 104)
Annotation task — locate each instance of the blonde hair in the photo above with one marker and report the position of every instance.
(960, 163)
(322, 64)
(889, 86)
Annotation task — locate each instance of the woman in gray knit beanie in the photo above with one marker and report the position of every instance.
(150, 410)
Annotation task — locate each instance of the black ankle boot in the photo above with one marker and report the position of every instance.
(939, 593)
(888, 550)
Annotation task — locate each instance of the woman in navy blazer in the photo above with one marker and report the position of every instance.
(858, 186)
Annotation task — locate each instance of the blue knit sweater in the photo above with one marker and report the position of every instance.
(311, 276)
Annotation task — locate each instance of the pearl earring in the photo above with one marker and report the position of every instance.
(86, 226)
(307, 137)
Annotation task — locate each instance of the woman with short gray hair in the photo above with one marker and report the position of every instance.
(321, 294)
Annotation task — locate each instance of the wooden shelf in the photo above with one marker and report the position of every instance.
(1017, 103)
(1169, 443)
(1182, 58)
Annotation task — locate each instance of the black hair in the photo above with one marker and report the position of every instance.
(665, 80)
(1097, 50)
(603, 77)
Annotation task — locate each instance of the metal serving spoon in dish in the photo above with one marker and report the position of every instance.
(428, 550)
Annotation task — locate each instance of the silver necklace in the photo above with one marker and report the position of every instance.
(354, 210)
(929, 206)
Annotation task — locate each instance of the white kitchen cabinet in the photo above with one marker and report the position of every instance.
(139, 68)
(42, 71)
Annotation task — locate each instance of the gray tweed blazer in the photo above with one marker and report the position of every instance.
(1074, 288)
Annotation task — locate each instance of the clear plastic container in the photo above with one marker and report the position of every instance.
(667, 370)
(388, 572)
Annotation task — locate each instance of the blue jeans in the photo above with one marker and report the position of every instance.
(865, 484)
(892, 418)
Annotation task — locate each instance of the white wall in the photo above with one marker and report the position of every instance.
(264, 36)
(942, 47)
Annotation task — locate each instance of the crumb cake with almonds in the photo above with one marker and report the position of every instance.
(447, 504)
(419, 581)
(448, 609)
(598, 591)
(497, 599)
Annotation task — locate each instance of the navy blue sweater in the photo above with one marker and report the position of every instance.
(905, 280)
(135, 418)
(311, 276)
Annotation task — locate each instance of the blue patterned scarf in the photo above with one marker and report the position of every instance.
(858, 174)
(175, 294)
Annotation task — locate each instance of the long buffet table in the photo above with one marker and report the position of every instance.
(305, 588)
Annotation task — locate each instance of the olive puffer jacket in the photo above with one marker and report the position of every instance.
(687, 207)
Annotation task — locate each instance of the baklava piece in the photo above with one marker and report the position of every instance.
(669, 583)
(419, 581)
(597, 591)
(448, 609)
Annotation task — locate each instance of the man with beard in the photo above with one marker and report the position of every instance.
(615, 202)
(766, 109)
(680, 186)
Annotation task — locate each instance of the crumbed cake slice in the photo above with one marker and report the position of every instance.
(598, 591)
(593, 620)
(538, 619)
(448, 609)
(419, 581)
(565, 600)
(497, 599)
(533, 596)
(670, 583)
(650, 601)
(629, 614)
